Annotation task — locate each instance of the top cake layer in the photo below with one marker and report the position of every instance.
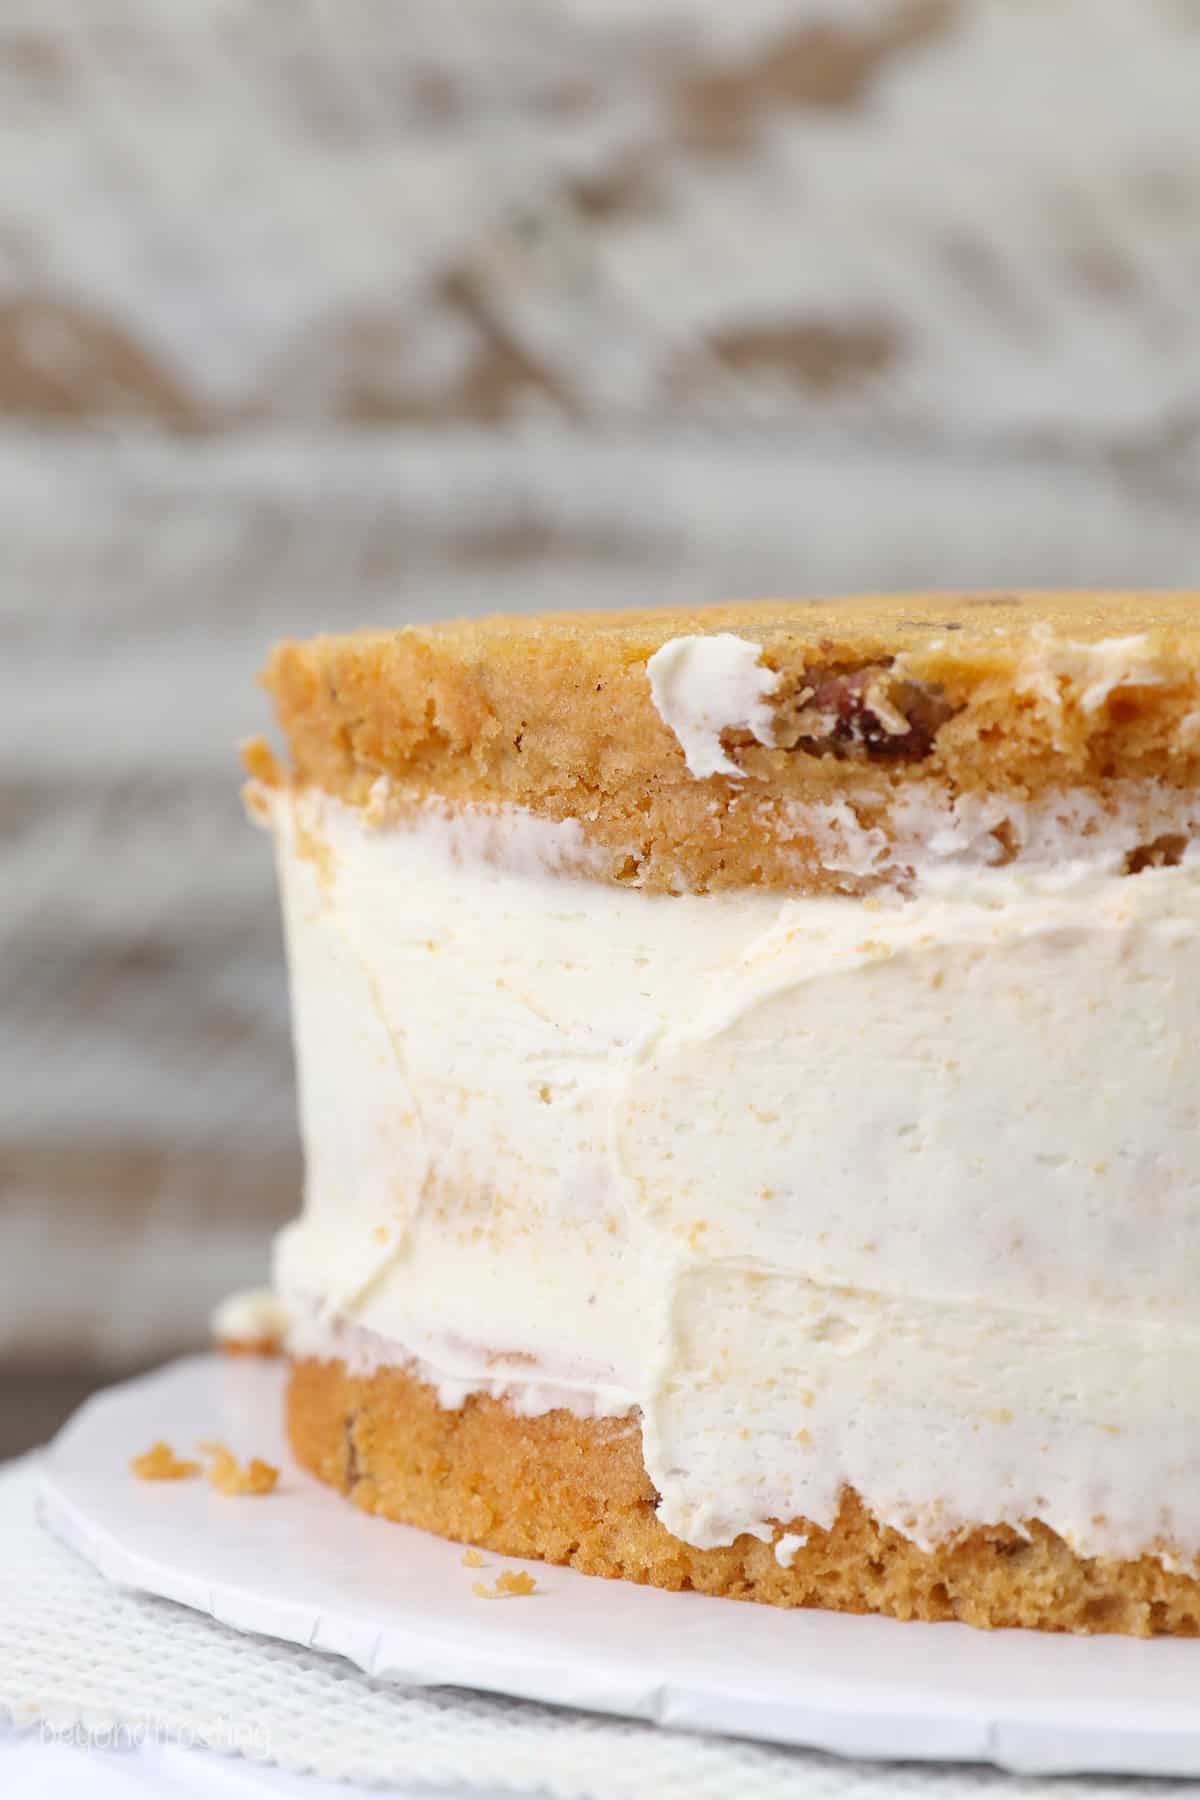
(803, 756)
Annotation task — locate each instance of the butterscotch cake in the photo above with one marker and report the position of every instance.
(749, 1073)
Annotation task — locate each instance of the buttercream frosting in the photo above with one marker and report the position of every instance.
(702, 686)
(250, 1316)
(898, 1192)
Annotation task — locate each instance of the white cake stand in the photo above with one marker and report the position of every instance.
(302, 1565)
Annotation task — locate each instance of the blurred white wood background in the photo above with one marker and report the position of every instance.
(326, 312)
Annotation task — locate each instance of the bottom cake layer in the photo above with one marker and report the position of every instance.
(574, 1490)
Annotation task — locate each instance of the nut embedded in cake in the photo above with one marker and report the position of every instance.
(749, 1099)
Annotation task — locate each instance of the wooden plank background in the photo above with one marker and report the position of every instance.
(322, 315)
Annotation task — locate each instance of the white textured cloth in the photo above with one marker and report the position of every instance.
(37, 1766)
(143, 1690)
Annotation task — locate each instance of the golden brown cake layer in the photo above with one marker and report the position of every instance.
(573, 1490)
(553, 712)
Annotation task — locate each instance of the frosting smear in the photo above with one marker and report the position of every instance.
(900, 1193)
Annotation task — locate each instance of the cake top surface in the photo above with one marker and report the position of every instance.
(628, 722)
(856, 622)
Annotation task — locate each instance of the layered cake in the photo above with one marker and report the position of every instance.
(748, 1068)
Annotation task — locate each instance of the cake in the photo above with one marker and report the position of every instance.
(748, 1062)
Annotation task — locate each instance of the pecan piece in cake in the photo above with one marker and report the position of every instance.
(867, 711)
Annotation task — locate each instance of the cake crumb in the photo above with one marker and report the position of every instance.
(228, 1476)
(160, 1463)
(472, 1559)
(261, 763)
(510, 1583)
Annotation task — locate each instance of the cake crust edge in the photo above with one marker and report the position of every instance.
(957, 695)
(571, 1490)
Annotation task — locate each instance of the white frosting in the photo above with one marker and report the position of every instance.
(252, 1316)
(934, 830)
(1093, 671)
(787, 1545)
(703, 686)
(899, 1192)
(457, 1368)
